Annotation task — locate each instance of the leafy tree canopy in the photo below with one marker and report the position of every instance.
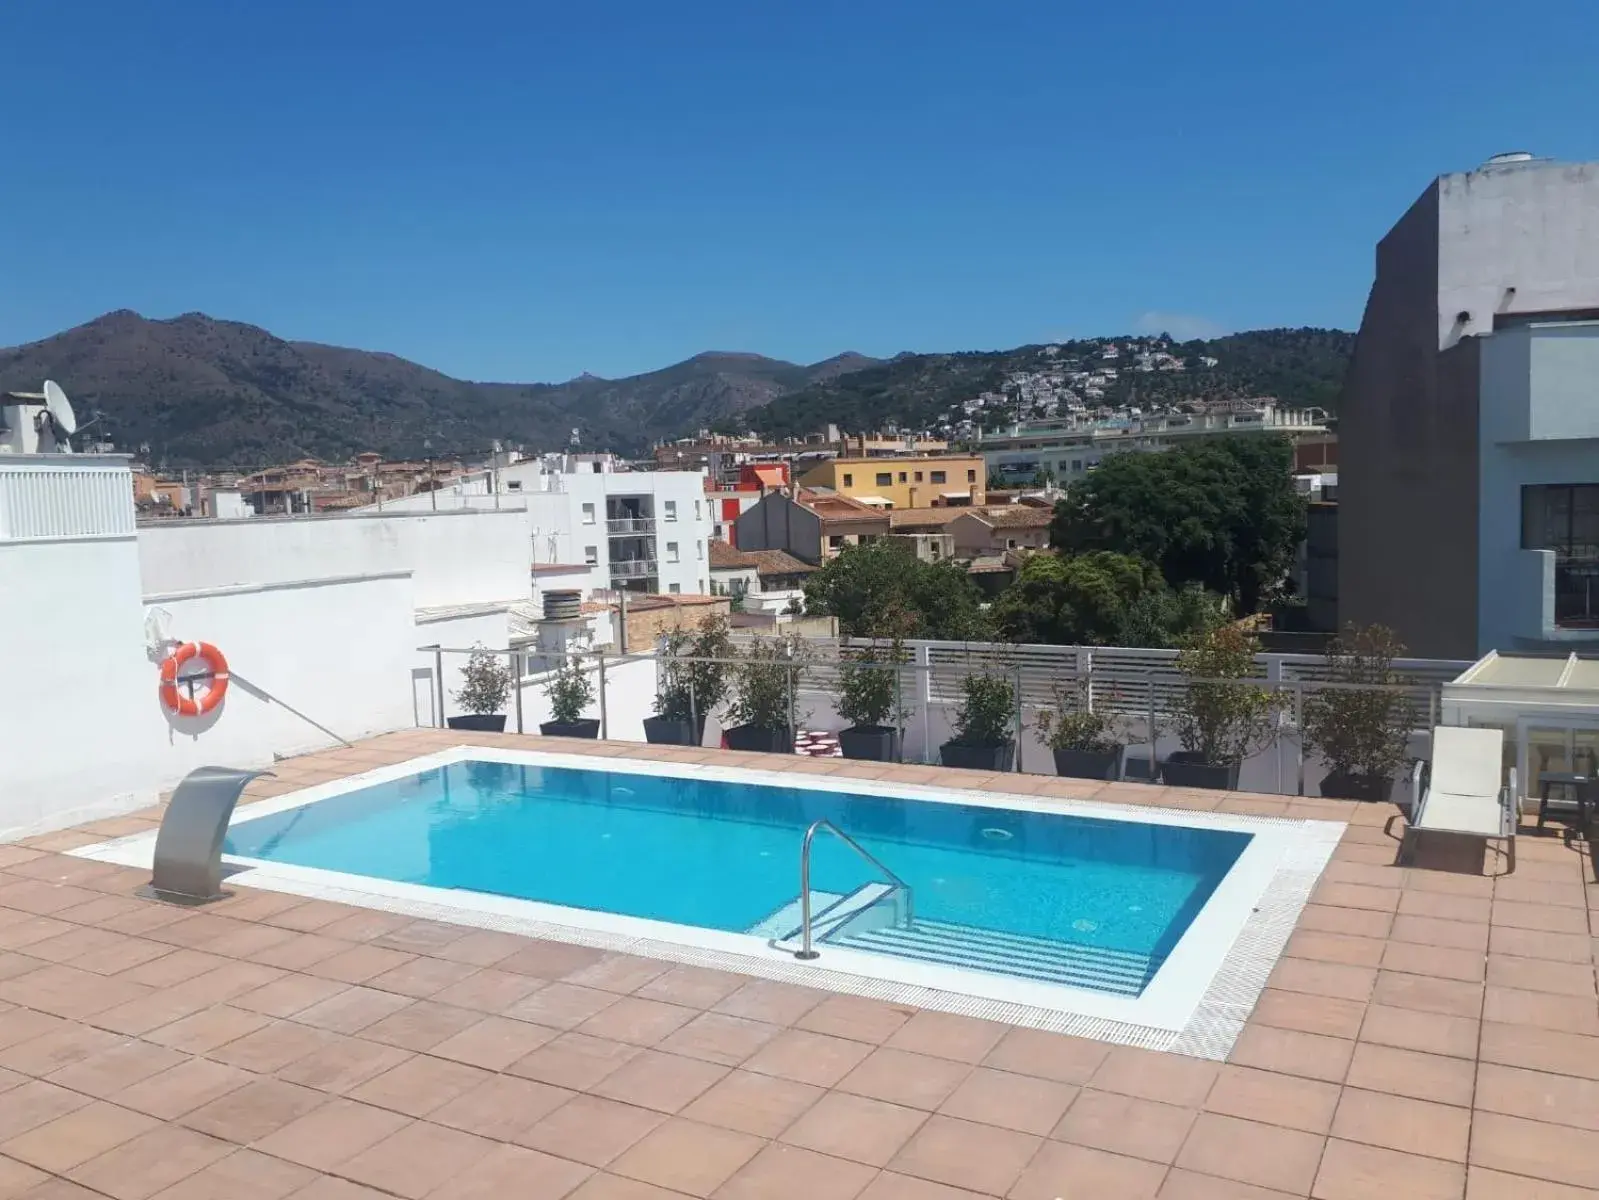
(1100, 598)
(882, 589)
(1221, 513)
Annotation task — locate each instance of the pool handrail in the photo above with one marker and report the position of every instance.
(805, 951)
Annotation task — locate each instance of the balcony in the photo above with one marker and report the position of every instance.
(630, 526)
(638, 568)
(1577, 593)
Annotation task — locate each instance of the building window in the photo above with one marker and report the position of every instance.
(849, 480)
(671, 510)
(671, 552)
(702, 587)
(940, 477)
(902, 476)
(591, 555)
(674, 588)
(885, 479)
(918, 477)
(1563, 518)
(1010, 543)
(696, 510)
(595, 469)
(933, 546)
(699, 550)
(513, 485)
(835, 541)
(588, 514)
(971, 476)
(1077, 464)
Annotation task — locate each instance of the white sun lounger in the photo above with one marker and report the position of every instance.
(1459, 792)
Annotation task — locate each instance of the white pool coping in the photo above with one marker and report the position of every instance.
(1196, 1004)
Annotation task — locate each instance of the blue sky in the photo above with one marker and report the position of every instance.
(528, 190)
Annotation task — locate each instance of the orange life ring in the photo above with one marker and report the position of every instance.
(215, 675)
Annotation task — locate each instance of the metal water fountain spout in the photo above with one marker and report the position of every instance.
(188, 848)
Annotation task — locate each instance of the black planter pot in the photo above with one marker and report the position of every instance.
(760, 739)
(878, 743)
(578, 729)
(1185, 768)
(1338, 786)
(978, 758)
(478, 722)
(1089, 764)
(669, 731)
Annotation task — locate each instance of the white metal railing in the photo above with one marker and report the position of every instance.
(625, 526)
(61, 496)
(639, 568)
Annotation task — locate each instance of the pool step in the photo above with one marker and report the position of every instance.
(861, 909)
(1011, 954)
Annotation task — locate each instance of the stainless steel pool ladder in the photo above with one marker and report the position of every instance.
(805, 951)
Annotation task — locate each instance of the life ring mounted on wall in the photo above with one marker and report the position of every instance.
(178, 692)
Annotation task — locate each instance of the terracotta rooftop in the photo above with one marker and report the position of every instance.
(779, 562)
(1015, 516)
(724, 557)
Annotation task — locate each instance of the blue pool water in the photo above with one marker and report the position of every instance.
(1098, 903)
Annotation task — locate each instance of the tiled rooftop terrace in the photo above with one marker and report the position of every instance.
(1431, 1031)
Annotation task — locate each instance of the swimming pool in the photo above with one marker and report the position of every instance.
(1113, 920)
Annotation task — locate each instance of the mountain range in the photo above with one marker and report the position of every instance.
(195, 391)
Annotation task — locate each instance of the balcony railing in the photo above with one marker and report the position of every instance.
(639, 568)
(1577, 593)
(628, 526)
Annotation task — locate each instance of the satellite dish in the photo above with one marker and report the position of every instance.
(60, 408)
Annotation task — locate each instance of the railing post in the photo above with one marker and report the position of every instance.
(1020, 722)
(516, 667)
(793, 721)
(924, 669)
(693, 712)
(605, 726)
(438, 681)
(899, 711)
(1299, 730)
(1154, 733)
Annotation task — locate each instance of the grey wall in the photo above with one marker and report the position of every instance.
(777, 523)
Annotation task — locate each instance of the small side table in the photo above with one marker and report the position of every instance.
(1576, 787)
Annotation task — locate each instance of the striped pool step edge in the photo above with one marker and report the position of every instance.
(1016, 955)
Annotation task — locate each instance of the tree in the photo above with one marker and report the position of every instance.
(1098, 599)
(882, 589)
(1221, 513)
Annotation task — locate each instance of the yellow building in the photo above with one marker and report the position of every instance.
(921, 482)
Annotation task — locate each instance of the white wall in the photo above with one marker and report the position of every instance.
(454, 633)
(457, 557)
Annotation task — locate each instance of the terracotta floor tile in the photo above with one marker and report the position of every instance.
(808, 1057)
(1402, 1123)
(60, 1047)
(1124, 1125)
(1456, 998)
(352, 1010)
(242, 1175)
(421, 1025)
(417, 1159)
(1063, 1170)
(291, 994)
(791, 1173)
(419, 1085)
(1182, 1184)
(620, 973)
(358, 964)
(326, 1136)
(1547, 917)
(1483, 1184)
(1538, 1096)
(33, 1104)
(769, 1001)
(963, 1154)
(948, 1035)
(17, 1178)
(341, 1063)
(61, 1189)
(547, 960)
(891, 1186)
(1540, 975)
(1326, 1015)
(75, 1137)
(1264, 1155)
(717, 1037)
(1012, 1101)
(1540, 1050)
(604, 1186)
(208, 1029)
(1350, 1171)
(855, 1127)
(1151, 1075)
(103, 1075)
(253, 1111)
(574, 1060)
(501, 1107)
(150, 1163)
(686, 1156)
(493, 1043)
(1335, 948)
(421, 978)
(1438, 962)
(1434, 931)
(856, 1017)
(1411, 1073)
(590, 1129)
(1533, 943)
(1291, 1052)
(1445, 907)
(1512, 1006)
(557, 1005)
(1352, 895)
(1409, 1029)
(637, 1021)
(655, 1079)
(692, 987)
(300, 952)
(1275, 1099)
(274, 1046)
(1322, 979)
(512, 1171)
(763, 1105)
(185, 1087)
(914, 1080)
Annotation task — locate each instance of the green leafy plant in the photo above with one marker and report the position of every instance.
(1361, 731)
(1222, 721)
(485, 682)
(867, 691)
(569, 690)
(693, 681)
(1071, 724)
(768, 672)
(987, 714)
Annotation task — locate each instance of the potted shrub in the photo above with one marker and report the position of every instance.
(1083, 738)
(867, 686)
(689, 689)
(570, 691)
(985, 725)
(1219, 723)
(1360, 733)
(485, 685)
(761, 716)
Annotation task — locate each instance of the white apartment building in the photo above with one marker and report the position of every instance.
(1071, 447)
(1469, 425)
